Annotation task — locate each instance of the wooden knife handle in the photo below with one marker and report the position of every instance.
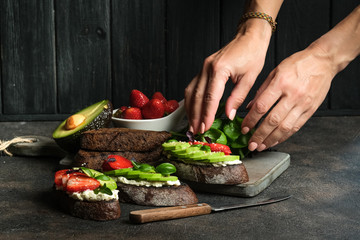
(166, 213)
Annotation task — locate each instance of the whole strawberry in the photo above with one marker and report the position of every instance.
(158, 95)
(153, 109)
(120, 111)
(132, 113)
(138, 99)
(171, 106)
(116, 162)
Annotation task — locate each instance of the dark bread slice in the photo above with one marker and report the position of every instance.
(228, 175)
(157, 196)
(100, 211)
(94, 159)
(123, 139)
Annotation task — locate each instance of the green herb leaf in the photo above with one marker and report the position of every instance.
(215, 135)
(144, 167)
(166, 169)
(136, 166)
(217, 123)
(102, 178)
(232, 130)
(87, 171)
(103, 189)
(206, 148)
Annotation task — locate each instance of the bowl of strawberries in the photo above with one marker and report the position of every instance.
(155, 113)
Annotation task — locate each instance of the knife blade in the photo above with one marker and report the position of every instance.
(168, 213)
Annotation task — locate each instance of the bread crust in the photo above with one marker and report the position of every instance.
(99, 211)
(228, 175)
(157, 196)
(123, 139)
(95, 160)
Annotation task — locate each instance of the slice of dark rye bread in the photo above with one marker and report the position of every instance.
(100, 211)
(122, 139)
(227, 175)
(94, 159)
(157, 196)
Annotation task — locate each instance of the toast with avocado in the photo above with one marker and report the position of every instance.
(202, 162)
(144, 184)
(87, 194)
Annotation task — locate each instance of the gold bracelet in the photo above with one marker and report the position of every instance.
(264, 16)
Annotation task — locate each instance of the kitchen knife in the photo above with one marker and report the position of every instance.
(167, 213)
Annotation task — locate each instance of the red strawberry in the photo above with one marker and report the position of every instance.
(132, 113)
(158, 95)
(171, 106)
(120, 111)
(123, 108)
(153, 109)
(138, 99)
(116, 162)
(65, 177)
(78, 183)
(58, 176)
(215, 147)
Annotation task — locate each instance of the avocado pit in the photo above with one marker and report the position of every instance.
(74, 121)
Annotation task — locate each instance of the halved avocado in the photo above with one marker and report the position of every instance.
(96, 116)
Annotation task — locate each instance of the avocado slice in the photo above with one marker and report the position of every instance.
(224, 158)
(170, 146)
(96, 116)
(206, 155)
(164, 179)
(118, 172)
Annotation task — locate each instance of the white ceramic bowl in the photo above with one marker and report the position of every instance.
(167, 123)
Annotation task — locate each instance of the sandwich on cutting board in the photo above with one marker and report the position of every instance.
(202, 162)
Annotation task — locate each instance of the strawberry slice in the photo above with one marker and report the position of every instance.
(153, 109)
(58, 176)
(138, 99)
(65, 177)
(79, 183)
(171, 106)
(116, 162)
(132, 113)
(215, 147)
(158, 95)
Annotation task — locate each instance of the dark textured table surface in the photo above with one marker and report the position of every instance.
(323, 178)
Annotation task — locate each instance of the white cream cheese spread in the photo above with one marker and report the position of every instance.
(90, 196)
(147, 183)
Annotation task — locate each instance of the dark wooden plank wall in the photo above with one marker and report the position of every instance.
(60, 56)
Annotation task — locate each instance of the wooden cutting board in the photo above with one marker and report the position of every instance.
(263, 168)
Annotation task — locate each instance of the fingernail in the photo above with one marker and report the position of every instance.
(252, 146)
(245, 130)
(261, 147)
(191, 129)
(248, 105)
(277, 142)
(232, 114)
(202, 128)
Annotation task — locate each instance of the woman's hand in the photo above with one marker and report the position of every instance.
(241, 61)
(297, 87)
(294, 90)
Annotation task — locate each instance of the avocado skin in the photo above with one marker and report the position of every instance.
(71, 143)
